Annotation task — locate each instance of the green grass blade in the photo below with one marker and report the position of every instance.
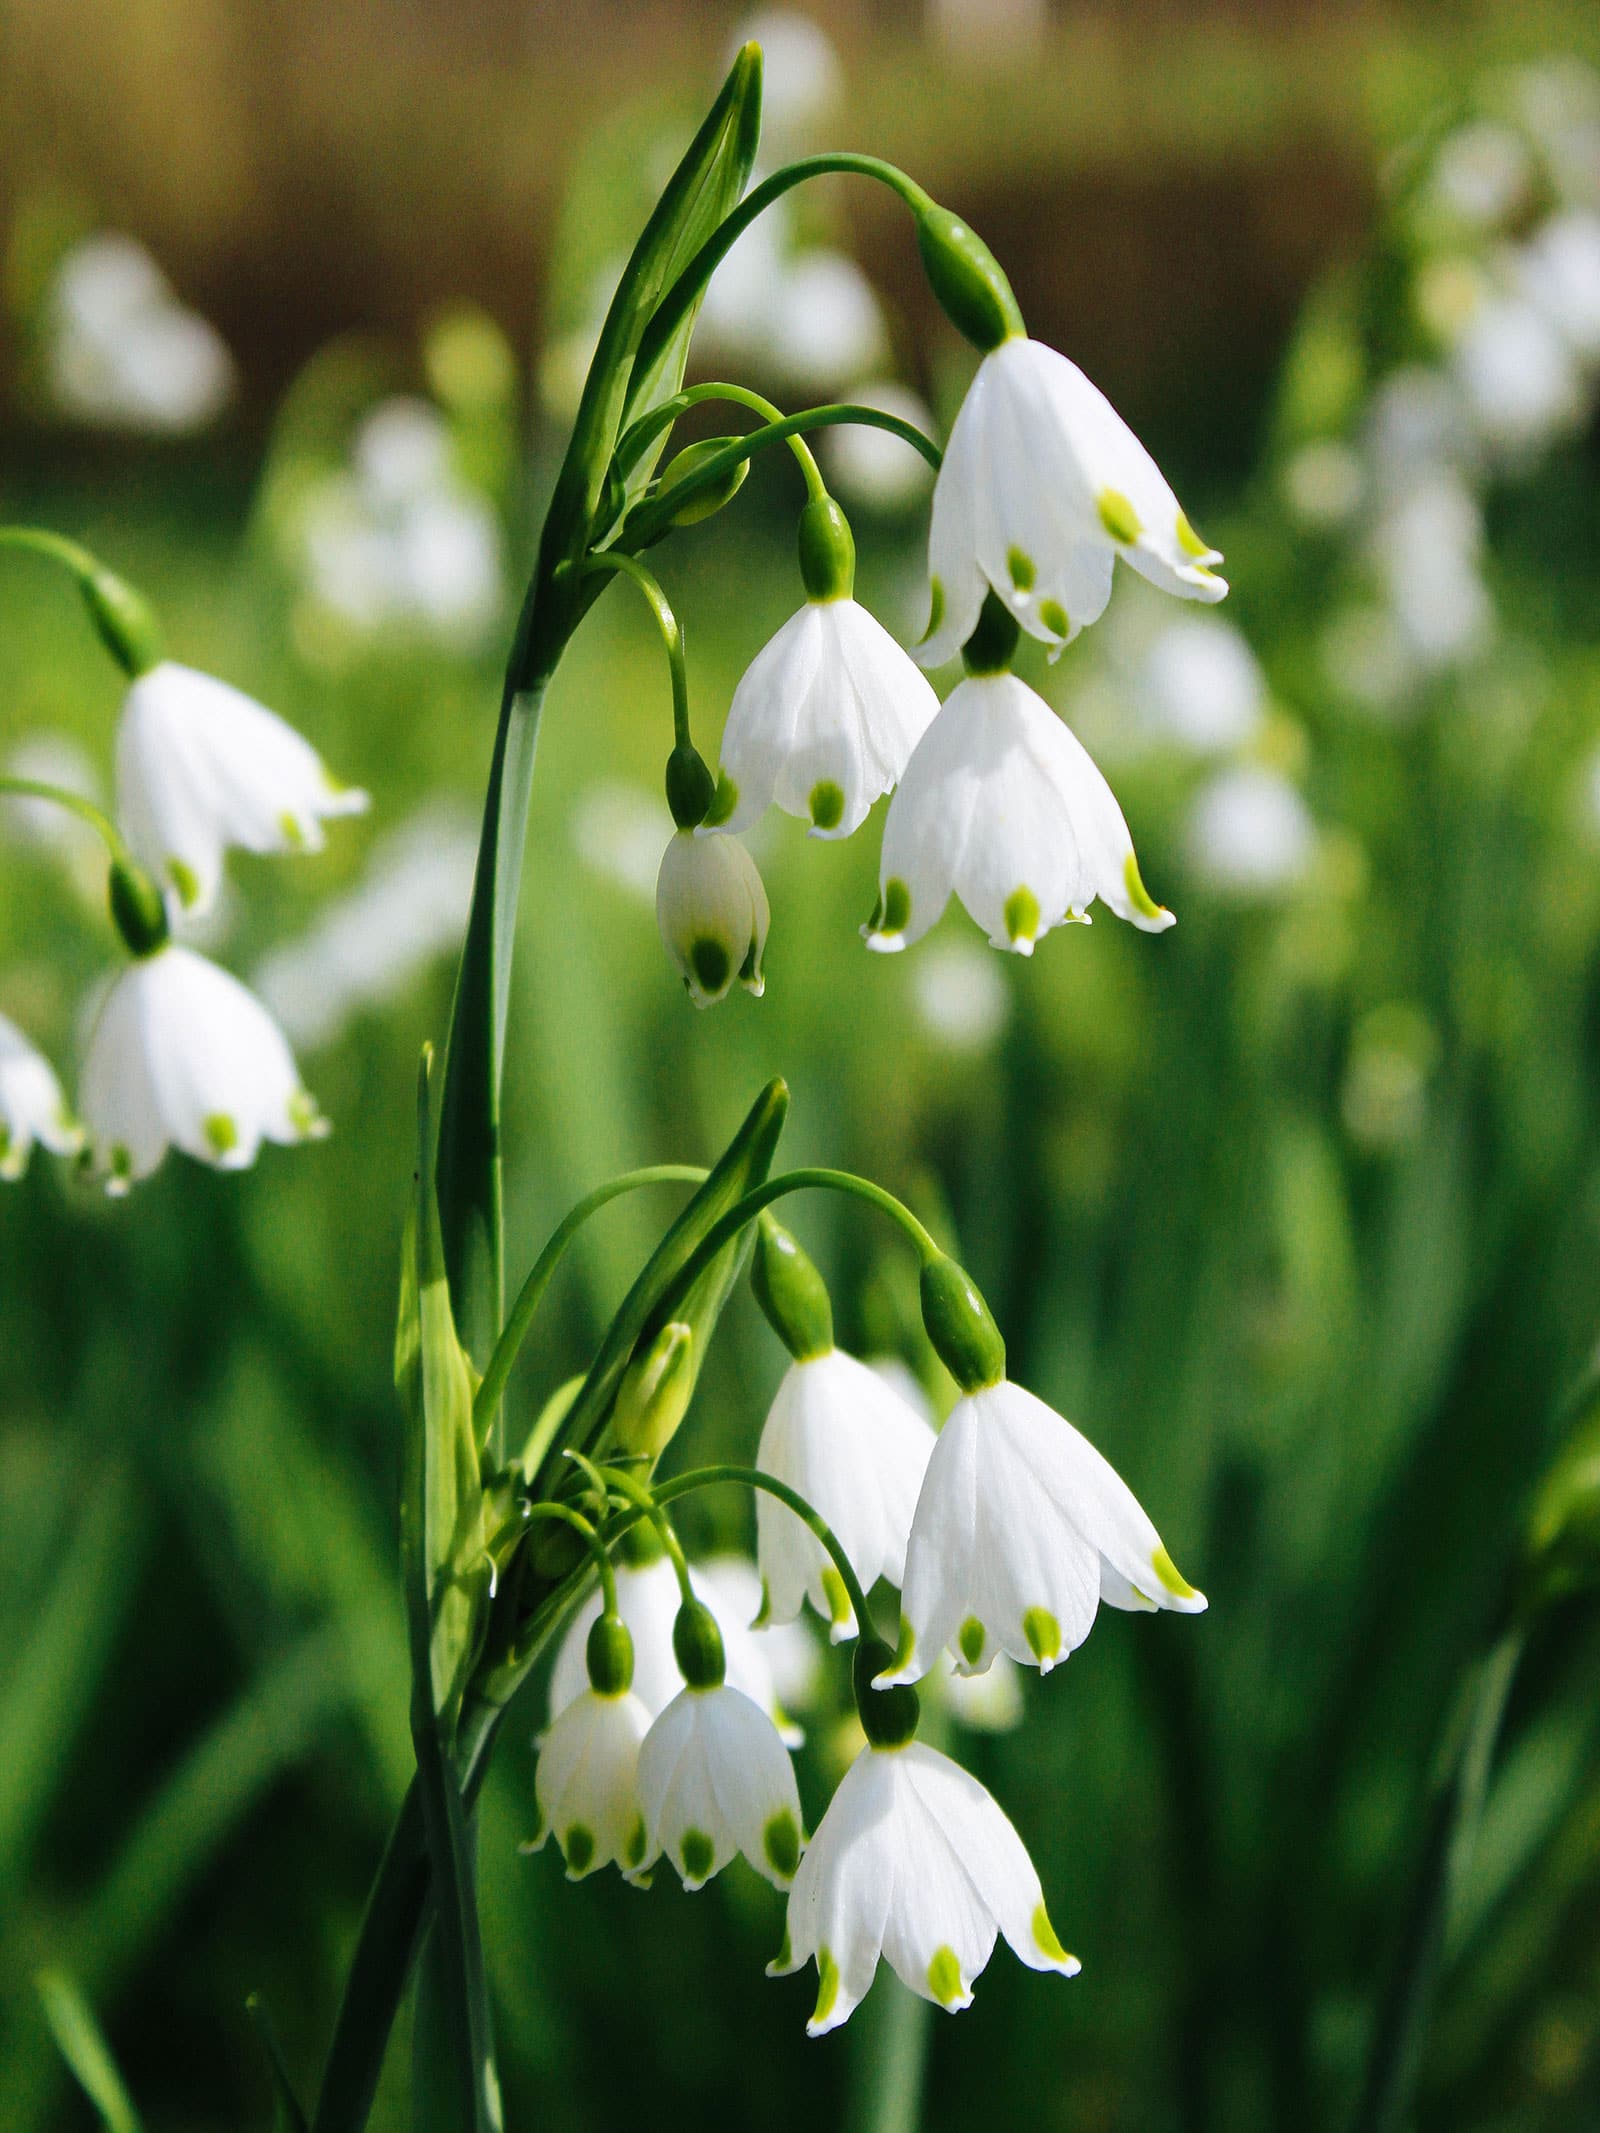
(78, 2038)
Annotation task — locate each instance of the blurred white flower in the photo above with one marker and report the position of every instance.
(57, 758)
(801, 78)
(826, 326)
(32, 1107)
(784, 1653)
(870, 466)
(1323, 484)
(1200, 687)
(1415, 421)
(122, 353)
(618, 830)
(1364, 655)
(990, 1702)
(712, 913)
(365, 949)
(1427, 546)
(734, 325)
(1518, 376)
(1482, 175)
(1559, 100)
(1559, 271)
(960, 995)
(1250, 833)
(402, 451)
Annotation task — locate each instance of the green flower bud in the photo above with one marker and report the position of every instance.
(964, 1335)
(137, 909)
(967, 279)
(610, 1656)
(791, 1292)
(654, 1395)
(827, 551)
(1561, 1552)
(690, 786)
(704, 503)
(993, 644)
(124, 620)
(697, 1646)
(888, 1716)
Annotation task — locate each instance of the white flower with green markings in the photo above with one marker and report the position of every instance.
(586, 1783)
(1002, 804)
(1021, 1530)
(711, 907)
(201, 766)
(183, 1054)
(823, 722)
(1043, 486)
(915, 1862)
(715, 1779)
(847, 1442)
(32, 1107)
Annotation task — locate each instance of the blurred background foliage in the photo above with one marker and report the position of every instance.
(1295, 1211)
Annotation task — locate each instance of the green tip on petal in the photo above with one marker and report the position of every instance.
(935, 610)
(827, 1985)
(1043, 1633)
(1022, 917)
(1022, 569)
(945, 1981)
(712, 966)
(1172, 1577)
(577, 1848)
(293, 835)
(185, 882)
(1047, 1943)
(839, 1608)
(1189, 541)
(1141, 899)
(1055, 618)
(633, 1847)
(827, 805)
(698, 1854)
(972, 1638)
(222, 1134)
(780, 1840)
(1118, 516)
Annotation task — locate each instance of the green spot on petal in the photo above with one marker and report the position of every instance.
(905, 1646)
(293, 835)
(1022, 915)
(827, 1985)
(1044, 1937)
(935, 609)
(185, 880)
(944, 1978)
(1054, 617)
(784, 1958)
(633, 1847)
(578, 1848)
(1021, 567)
(1171, 1576)
(972, 1638)
(827, 805)
(119, 1165)
(1188, 540)
(305, 1118)
(1138, 895)
(1043, 1633)
(1118, 516)
(838, 1599)
(723, 801)
(896, 903)
(780, 1840)
(698, 1854)
(222, 1134)
(712, 966)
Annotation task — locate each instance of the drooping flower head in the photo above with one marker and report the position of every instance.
(711, 907)
(32, 1107)
(586, 1783)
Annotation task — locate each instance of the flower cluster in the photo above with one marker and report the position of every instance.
(179, 1052)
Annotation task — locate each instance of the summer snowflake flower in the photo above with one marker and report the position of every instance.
(858, 1453)
(1043, 486)
(1002, 804)
(586, 1782)
(1021, 1530)
(823, 721)
(182, 1053)
(715, 1779)
(916, 1862)
(711, 907)
(201, 766)
(31, 1105)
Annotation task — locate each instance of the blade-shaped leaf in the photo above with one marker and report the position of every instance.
(78, 2038)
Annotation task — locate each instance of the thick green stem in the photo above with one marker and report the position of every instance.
(752, 1477)
(644, 432)
(75, 804)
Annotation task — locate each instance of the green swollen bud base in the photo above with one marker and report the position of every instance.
(967, 279)
(610, 1656)
(124, 621)
(993, 643)
(791, 1292)
(827, 551)
(690, 786)
(137, 909)
(963, 1332)
(655, 1392)
(697, 1646)
(889, 1717)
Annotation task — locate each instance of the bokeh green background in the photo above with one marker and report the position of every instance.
(1325, 1340)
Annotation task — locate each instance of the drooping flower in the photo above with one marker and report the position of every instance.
(913, 1861)
(182, 1053)
(1043, 486)
(858, 1453)
(711, 907)
(1021, 1530)
(823, 722)
(32, 1107)
(201, 766)
(715, 1779)
(1002, 804)
(586, 1782)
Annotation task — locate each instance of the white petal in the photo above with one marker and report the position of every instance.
(586, 1782)
(711, 908)
(31, 1105)
(992, 1855)
(839, 1905)
(714, 1778)
(939, 1557)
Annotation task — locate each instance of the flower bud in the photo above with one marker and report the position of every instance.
(791, 1292)
(609, 1654)
(964, 1335)
(654, 1395)
(966, 278)
(690, 786)
(827, 551)
(124, 620)
(713, 914)
(697, 1646)
(137, 909)
(1562, 1545)
(888, 1716)
(704, 503)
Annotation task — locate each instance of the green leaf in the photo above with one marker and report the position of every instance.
(78, 2037)
(287, 2116)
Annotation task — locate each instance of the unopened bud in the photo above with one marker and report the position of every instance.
(791, 1292)
(827, 551)
(124, 619)
(690, 786)
(654, 1395)
(609, 1653)
(705, 501)
(697, 1646)
(963, 1332)
(967, 279)
(137, 909)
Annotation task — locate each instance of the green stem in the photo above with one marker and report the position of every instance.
(598, 1555)
(636, 440)
(531, 1294)
(752, 1477)
(666, 621)
(75, 804)
(649, 1505)
(37, 540)
(1395, 2057)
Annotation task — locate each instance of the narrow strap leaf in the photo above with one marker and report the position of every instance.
(85, 2050)
(287, 2116)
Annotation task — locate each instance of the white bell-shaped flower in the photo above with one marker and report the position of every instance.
(823, 722)
(1022, 1529)
(32, 1107)
(647, 1601)
(857, 1452)
(715, 1779)
(1043, 486)
(1002, 804)
(183, 1053)
(711, 907)
(201, 766)
(916, 1862)
(586, 1783)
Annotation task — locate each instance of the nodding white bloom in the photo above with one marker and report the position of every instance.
(1021, 1530)
(32, 1107)
(647, 1600)
(824, 721)
(1519, 376)
(586, 1783)
(1560, 274)
(183, 1053)
(201, 766)
(711, 907)
(122, 352)
(715, 1779)
(1043, 486)
(1002, 804)
(857, 1452)
(916, 1862)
